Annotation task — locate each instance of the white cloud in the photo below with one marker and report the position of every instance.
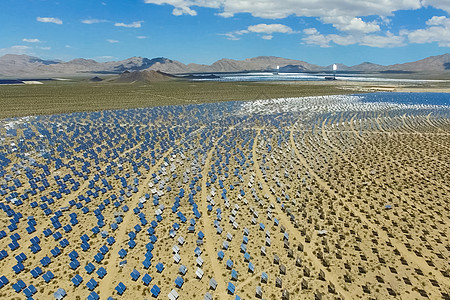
(142, 37)
(310, 31)
(112, 41)
(178, 11)
(351, 24)
(437, 20)
(184, 7)
(266, 29)
(270, 28)
(270, 9)
(49, 20)
(383, 41)
(232, 36)
(31, 40)
(136, 24)
(17, 49)
(438, 31)
(347, 16)
(313, 37)
(93, 21)
(441, 4)
(44, 48)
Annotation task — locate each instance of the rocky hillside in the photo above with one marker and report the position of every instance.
(29, 66)
(437, 63)
(146, 76)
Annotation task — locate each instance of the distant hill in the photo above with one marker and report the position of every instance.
(23, 65)
(433, 63)
(145, 76)
(367, 67)
(95, 79)
(12, 64)
(260, 63)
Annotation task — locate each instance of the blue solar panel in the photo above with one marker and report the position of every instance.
(60, 293)
(85, 246)
(246, 256)
(122, 253)
(74, 264)
(3, 281)
(131, 244)
(104, 249)
(231, 288)
(3, 254)
(234, 274)
(45, 261)
(93, 296)
(155, 290)
(17, 288)
(18, 268)
(135, 274)
(95, 230)
(251, 267)
(101, 272)
(48, 276)
(147, 263)
(91, 284)
(146, 279)
(21, 257)
(89, 268)
(64, 243)
(159, 267)
(36, 272)
(132, 235)
(73, 255)
(98, 257)
(57, 235)
(30, 291)
(229, 264)
(179, 282)
(77, 280)
(120, 288)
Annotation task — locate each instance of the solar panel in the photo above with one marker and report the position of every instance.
(155, 290)
(146, 279)
(135, 275)
(231, 288)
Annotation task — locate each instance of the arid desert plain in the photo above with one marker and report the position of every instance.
(322, 197)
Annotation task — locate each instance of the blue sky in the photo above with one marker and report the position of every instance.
(203, 31)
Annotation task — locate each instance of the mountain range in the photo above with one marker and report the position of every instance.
(12, 65)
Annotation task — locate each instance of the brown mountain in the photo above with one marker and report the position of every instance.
(437, 63)
(367, 67)
(145, 76)
(23, 65)
(18, 65)
(260, 63)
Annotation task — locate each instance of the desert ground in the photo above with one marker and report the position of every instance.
(79, 94)
(318, 197)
